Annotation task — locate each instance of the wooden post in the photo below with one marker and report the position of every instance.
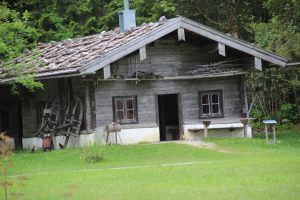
(244, 96)
(274, 134)
(266, 131)
(205, 131)
(245, 130)
(206, 124)
(245, 121)
(88, 118)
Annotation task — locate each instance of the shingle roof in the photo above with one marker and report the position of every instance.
(69, 55)
(88, 54)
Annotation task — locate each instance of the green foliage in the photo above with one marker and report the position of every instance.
(289, 113)
(287, 10)
(24, 74)
(141, 171)
(277, 89)
(278, 37)
(53, 28)
(285, 128)
(15, 34)
(281, 33)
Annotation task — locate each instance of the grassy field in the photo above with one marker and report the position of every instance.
(236, 169)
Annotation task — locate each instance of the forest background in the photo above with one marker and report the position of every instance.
(271, 24)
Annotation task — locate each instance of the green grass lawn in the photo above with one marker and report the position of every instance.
(249, 170)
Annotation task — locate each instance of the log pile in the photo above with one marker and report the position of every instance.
(146, 75)
(223, 67)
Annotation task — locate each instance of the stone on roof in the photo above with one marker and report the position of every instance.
(72, 54)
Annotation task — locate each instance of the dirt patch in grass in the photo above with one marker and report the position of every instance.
(202, 144)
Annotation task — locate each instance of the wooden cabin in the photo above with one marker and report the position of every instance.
(159, 81)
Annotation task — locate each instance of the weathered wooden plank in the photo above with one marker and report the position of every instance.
(257, 63)
(222, 50)
(106, 72)
(181, 34)
(88, 111)
(143, 53)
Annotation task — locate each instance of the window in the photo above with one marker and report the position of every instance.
(211, 104)
(125, 110)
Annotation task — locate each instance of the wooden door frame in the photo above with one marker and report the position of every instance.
(179, 109)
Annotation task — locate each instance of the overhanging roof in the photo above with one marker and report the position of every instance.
(172, 25)
(86, 55)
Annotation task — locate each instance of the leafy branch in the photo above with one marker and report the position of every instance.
(24, 72)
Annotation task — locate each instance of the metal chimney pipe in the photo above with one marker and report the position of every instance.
(126, 4)
(127, 17)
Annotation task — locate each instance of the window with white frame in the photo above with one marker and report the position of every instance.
(211, 104)
(125, 109)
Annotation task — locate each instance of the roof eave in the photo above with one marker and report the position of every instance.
(294, 64)
(182, 22)
(232, 42)
(47, 75)
(131, 47)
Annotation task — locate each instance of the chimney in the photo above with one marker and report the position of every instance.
(126, 17)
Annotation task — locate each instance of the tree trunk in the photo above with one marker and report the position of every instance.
(233, 20)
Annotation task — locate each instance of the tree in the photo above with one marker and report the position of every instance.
(229, 16)
(15, 33)
(15, 36)
(280, 34)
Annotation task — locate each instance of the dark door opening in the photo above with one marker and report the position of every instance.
(168, 117)
(20, 128)
(4, 123)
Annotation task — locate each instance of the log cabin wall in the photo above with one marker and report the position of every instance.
(146, 92)
(169, 58)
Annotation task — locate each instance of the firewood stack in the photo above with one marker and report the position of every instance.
(146, 75)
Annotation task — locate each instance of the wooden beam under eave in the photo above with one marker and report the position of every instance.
(143, 53)
(106, 72)
(181, 34)
(222, 50)
(258, 63)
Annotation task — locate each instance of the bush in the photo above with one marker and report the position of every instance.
(93, 154)
(289, 113)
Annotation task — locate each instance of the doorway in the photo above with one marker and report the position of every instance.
(4, 120)
(19, 144)
(168, 117)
